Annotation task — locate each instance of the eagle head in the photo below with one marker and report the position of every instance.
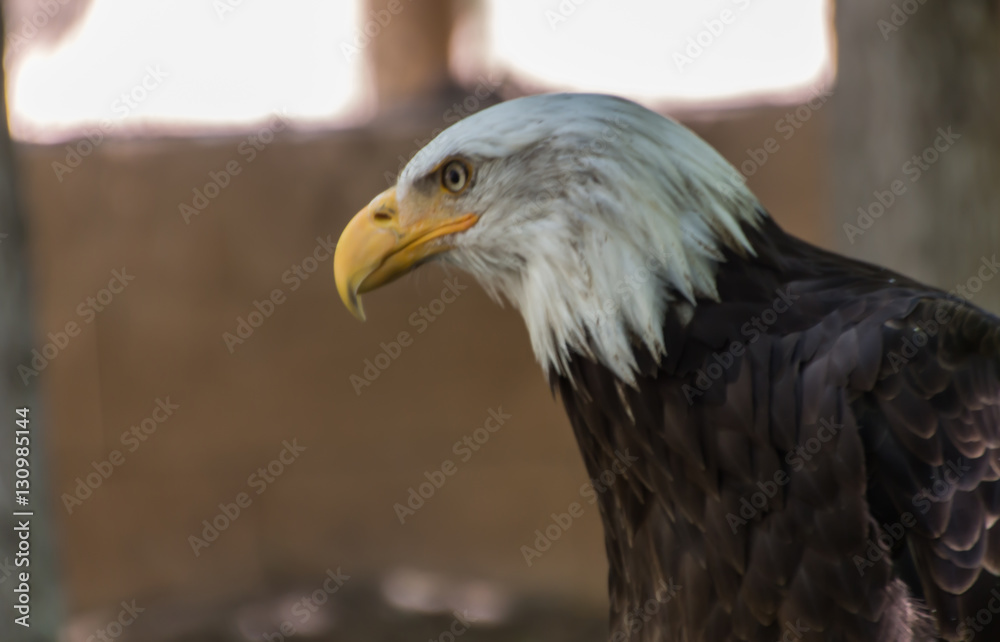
(591, 214)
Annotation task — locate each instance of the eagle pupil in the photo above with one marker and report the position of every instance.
(454, 176)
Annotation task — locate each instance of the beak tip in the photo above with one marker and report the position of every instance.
(349, 296)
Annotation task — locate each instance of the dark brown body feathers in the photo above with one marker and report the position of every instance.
(818, 460)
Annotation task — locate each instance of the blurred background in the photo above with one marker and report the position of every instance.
(220, 452)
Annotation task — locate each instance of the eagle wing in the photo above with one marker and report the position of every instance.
(809, 473)
(931, 428)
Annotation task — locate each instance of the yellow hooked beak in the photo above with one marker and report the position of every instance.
(376, 248)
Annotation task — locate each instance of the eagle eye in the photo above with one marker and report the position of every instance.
(455, 176)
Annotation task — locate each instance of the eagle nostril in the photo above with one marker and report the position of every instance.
(382, 217)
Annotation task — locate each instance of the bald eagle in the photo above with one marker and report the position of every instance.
(816, 438)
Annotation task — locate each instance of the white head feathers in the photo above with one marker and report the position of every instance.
(596, 214)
